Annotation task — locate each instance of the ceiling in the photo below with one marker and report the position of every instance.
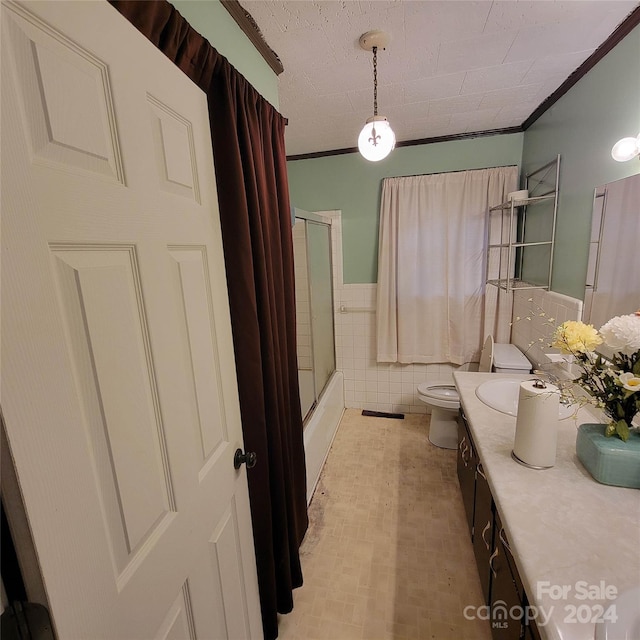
(451, 67)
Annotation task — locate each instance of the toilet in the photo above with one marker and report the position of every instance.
(443, 399)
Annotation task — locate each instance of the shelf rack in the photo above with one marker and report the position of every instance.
(510, 247)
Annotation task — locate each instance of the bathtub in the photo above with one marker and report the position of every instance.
(320, 429)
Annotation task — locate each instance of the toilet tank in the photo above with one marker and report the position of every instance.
(507, 358)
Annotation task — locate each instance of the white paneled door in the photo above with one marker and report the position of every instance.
(118, 375)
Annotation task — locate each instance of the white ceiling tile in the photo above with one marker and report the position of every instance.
(294, 16)
(526, 13)
(548, 87)
(558, 65)
(330, 11)
(336, 104)
(417, 63)
(434, 88)
(451, 66)
(408, 112)
(474, 53)
(373, 7)
(460, 104)
(306, 58)
(423, 133)
(435, 121)
(581, 34)
(475, 120)
(422, 128)
(511, 95)
(444, 20)
(515, 114)
(388, 96)
(498, 77)
(339, 77)
(345, 30)
(293, 84)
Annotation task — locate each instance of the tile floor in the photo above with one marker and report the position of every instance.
(387, 554)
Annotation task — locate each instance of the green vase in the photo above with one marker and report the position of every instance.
(609, 460)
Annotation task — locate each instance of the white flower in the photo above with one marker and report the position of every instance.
(622, 333)
(629, 381)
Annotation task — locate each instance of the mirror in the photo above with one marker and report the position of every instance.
(613, 272)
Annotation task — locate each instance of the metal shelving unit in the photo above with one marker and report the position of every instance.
(506, 253)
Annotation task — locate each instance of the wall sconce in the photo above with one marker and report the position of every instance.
(626, 149)
(376, 140)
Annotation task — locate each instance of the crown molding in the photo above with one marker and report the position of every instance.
(412, 143)
(250, 28)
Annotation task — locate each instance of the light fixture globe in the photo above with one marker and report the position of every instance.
(626, 149)
(376, 140)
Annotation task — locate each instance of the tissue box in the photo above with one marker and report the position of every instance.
(609, 460)
(518, 196)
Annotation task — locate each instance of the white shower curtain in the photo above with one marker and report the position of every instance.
(431, 266)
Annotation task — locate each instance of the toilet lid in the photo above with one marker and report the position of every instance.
(508, 356)
(443, 391)
(486, 357)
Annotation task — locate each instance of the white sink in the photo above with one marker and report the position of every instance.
(621, 620)
(502, 395)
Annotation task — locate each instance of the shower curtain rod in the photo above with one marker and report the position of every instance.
(435, 173)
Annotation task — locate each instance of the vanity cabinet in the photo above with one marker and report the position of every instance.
(501, 585)
(531, 631)
(466, 467)
(483, 526)
(478, 502)
(507, 592)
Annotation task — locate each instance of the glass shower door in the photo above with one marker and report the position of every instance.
(319, 253)
(314, 306)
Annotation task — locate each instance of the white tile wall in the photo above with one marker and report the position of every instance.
(369, 385)
(392, 387)
(536, 314)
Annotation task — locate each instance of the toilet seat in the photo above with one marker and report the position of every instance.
(440, 395)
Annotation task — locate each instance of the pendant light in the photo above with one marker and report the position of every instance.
(376, 140)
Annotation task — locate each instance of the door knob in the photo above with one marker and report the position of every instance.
(239, 458)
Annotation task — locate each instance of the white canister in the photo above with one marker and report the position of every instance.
(536, 438)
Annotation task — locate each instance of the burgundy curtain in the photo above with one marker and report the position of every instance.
(253, 195)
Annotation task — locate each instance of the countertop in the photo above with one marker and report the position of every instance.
(576, 542)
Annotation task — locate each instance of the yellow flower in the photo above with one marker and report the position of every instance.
(574, 336)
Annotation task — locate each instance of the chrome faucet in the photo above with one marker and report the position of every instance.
(555, 380)
(551, 377)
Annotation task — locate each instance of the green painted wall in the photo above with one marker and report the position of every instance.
(350, 183)
(582, 126)
(210, 19)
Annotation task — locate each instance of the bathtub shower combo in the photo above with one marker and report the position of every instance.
(321, 386)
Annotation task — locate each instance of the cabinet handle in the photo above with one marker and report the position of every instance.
(501, 535)
(486, 544)
(463, 451)
(493, 555)
(481, 470)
